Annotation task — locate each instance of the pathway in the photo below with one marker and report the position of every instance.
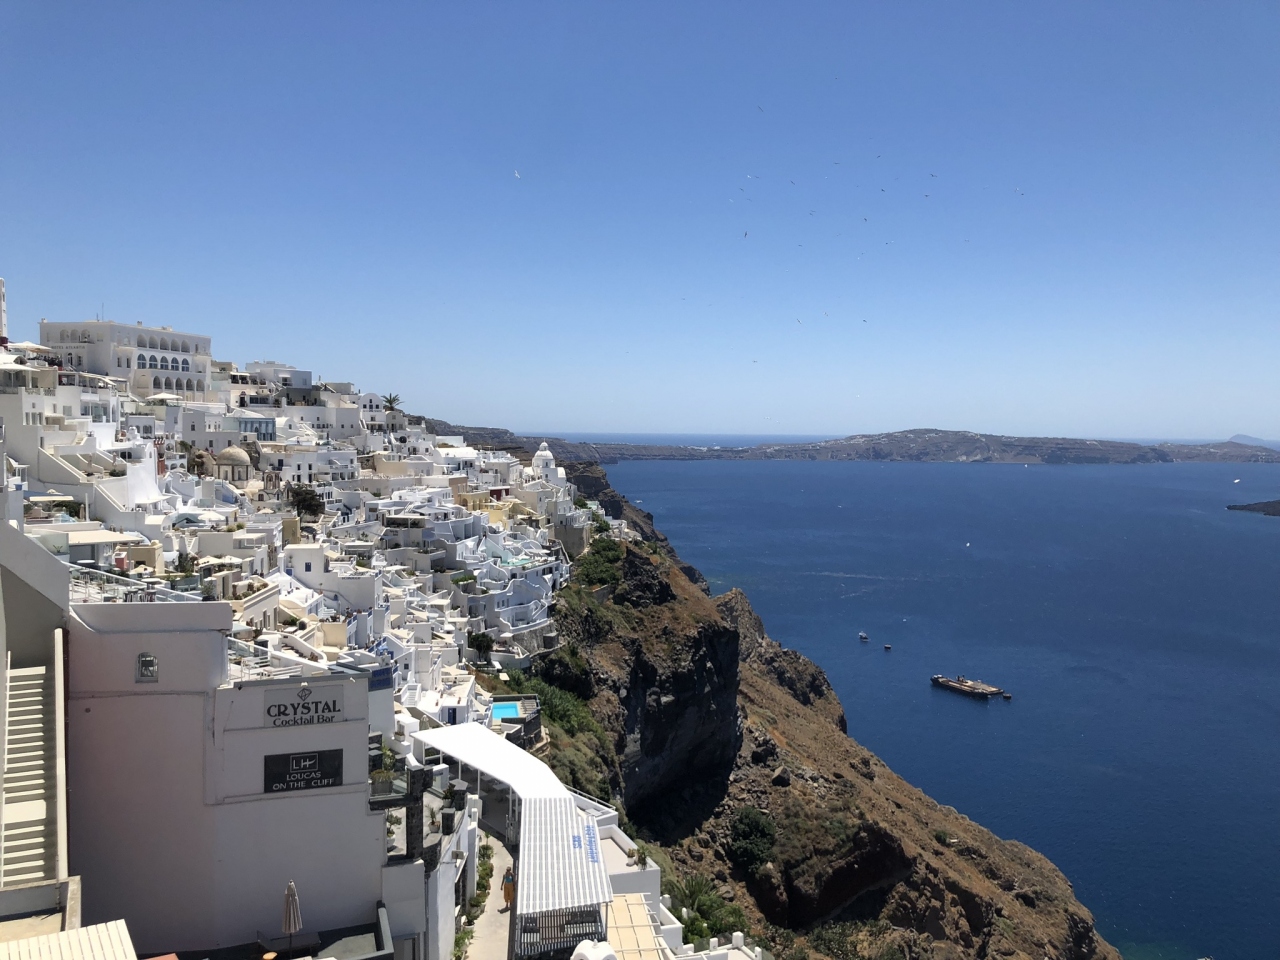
(493, 927)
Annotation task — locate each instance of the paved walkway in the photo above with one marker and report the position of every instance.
(493, 927)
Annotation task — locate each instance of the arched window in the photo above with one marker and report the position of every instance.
(186, 347)
(164, 363)
(155, 383)
(142, 341)
(168, 383)
(142, 361)
(190, 386)
(164, 343)
(199, 386)
(62, 335)
(186, 365)
(152, 343)
(154, 365)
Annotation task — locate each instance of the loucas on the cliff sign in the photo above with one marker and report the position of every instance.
(305, 705)
(283, 772)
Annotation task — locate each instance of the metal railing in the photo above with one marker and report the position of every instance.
(97, 586)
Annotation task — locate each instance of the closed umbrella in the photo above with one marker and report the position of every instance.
(292, 914)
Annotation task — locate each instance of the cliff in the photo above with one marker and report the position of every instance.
(692, 718)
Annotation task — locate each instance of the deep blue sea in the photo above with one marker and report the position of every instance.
(1135, 620)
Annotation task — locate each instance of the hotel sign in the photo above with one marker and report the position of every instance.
(284, 772)
(304, 706)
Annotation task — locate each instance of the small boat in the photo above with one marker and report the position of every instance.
(888, 646)
(1007, 696)
(970, 688)
(862, 635)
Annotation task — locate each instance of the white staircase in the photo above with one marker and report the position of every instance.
(29, 845)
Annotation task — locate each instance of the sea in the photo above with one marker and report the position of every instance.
(1134, 619)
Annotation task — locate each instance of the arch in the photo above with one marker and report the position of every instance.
(153, 343)
(62, 336)
(199, 386)
(164, 343)
(153, 364)
(186, 347)
(156, 384)
(190, 386)
(168, 383)
(142, 341)
(164, 363)
(186, 365)
(142, 361)
(86, 336)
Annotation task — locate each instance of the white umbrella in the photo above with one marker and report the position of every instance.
(292, 914)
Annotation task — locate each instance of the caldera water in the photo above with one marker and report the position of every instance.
(1135, 620)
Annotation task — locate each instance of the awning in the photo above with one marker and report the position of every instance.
(477, 746)
(561, 865)
(101, 941)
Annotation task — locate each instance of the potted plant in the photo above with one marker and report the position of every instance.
(381, 782)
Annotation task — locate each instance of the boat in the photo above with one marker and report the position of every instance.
(970, 688)
(888, 646)
(862, 635)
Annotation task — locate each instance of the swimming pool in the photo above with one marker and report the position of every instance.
(506, 711)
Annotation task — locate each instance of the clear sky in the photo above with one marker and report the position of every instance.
(1037, 218)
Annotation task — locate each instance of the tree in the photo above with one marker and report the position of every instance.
(391, 401)
(481, 643)
(305, 500)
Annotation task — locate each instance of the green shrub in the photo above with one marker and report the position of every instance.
(601, 564)
(942, 837)
(751, 838)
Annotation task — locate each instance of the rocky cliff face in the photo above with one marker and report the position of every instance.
(702, 715)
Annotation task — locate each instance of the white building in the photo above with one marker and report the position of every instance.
(147, 359)
(199, 787)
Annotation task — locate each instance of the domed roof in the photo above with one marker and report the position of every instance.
(232, 456)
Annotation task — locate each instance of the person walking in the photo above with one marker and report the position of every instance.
(508, 888)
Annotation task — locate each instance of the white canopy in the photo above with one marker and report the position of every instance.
(496, 757)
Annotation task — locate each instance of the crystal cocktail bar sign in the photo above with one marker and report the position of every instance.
(305, 705)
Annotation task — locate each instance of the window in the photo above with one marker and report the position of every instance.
(186, 365)
(164, 363)
(307, 566)
(153, 364)
(148, 669)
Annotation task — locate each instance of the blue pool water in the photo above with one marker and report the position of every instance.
(1135, 620)
(505, 711)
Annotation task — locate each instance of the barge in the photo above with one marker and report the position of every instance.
(970, 688)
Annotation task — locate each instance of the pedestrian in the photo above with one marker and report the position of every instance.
(509, 888)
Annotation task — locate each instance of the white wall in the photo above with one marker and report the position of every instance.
(170, 827)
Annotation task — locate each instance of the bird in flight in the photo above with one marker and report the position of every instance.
(760, 108)
(744, 234)
(517, 174)
(933, 174)
(801, 322)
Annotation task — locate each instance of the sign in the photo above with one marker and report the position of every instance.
(304, 706)
(380, 679)
(283, 772)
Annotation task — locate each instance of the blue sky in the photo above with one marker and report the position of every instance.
(1049, 218)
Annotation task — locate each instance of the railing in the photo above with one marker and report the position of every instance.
(98, 586)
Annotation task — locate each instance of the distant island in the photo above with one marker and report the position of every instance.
(922, 445)
(1268, 508)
